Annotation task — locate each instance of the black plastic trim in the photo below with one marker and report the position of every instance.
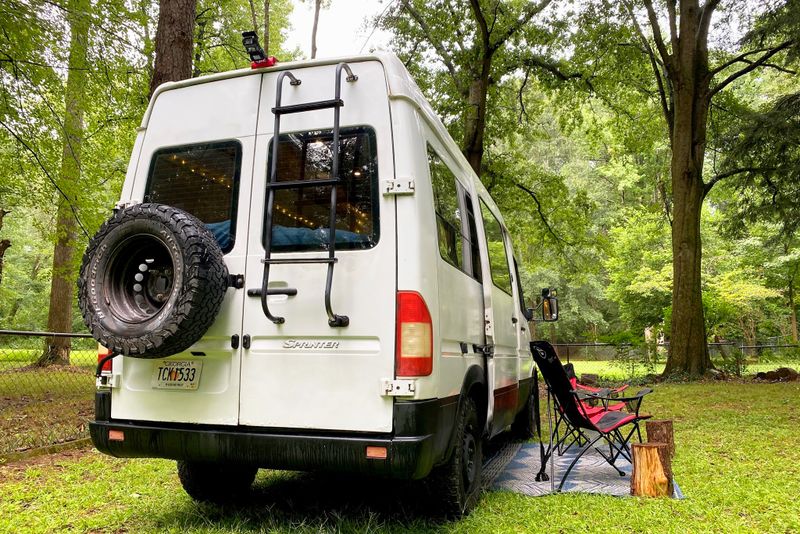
(420, 441)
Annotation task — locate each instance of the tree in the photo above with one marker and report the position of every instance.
(318, 5)
(62, 287)
(687, 84)
(478, 42)
(174, 42)
(4, 243)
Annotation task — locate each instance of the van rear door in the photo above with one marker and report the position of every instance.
(197, 155)
(304, 373)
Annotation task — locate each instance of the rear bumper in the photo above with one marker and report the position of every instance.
(421, 438)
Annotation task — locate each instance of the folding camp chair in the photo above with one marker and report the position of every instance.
(568, 435)
(607, 424)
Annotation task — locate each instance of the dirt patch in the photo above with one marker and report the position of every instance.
(15, 471)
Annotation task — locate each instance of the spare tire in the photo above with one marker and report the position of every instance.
(151, 282)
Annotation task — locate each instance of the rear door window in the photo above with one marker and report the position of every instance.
(203, 180)
(301, 216)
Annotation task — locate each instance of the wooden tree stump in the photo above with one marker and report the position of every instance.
(660, 431)
(652, 470)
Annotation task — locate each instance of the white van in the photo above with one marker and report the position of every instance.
(345, 299)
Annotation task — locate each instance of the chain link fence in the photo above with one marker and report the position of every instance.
(630, 360)
(46, 399)
(46, 388)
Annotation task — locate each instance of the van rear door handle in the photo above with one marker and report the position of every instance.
(246, 341)
(235, 341)
(256, 292)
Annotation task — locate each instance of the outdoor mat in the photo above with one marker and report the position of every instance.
(590, 475)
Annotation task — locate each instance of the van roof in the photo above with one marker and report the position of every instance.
(400, 85)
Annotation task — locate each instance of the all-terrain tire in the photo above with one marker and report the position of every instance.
(152, 281)
(456, 485)
(215, 483)
(524, 425)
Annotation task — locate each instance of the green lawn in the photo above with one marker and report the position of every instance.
(738, 462)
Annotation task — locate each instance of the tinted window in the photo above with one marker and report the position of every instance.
(448, 213)
(301, 216)
(201, 179)
(475, 253)
(498, 260)
(456, 234)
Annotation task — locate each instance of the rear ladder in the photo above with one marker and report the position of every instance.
(334, 320)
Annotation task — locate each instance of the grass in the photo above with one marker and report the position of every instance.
(738, 462)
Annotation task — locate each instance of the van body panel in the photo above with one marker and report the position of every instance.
(417, 248)
(331, 379)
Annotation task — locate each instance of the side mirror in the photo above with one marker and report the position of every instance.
(549, 305)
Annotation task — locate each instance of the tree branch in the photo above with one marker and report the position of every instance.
(38, 161)
(527, 15)
(542, 215)
(705, 20)
(751, 67)
(437, 45)
(741, 58)
(655, 64)
(673, 24)
(481, 20)
(651, 15)
(733, 172)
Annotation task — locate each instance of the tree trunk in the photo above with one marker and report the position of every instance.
(661, 431)
(792, 311)
(475, 119)
(59, 318)
(253, 16)
(266, 27)
(174, 42)
(688, 350)
(317, 4)
(5, 244)
(9, 320)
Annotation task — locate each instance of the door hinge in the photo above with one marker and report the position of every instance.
(399, 186)
(107, 381)
(398, 388)
(122, 204)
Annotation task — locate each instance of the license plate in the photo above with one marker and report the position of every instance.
(174, 374)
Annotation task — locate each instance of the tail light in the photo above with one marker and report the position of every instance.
(414, 355)
(102, 352)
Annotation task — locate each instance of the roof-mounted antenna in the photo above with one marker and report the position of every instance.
(258, 58)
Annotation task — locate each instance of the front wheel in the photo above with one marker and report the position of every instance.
(456, 485)
(215, 483)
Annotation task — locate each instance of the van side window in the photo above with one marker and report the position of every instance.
(498, 260)
(448, 214)
(201, 179)
(301, 216)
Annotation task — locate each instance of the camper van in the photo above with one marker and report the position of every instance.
(304, 273)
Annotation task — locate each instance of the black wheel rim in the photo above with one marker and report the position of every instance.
(140, 279)
(469, 451)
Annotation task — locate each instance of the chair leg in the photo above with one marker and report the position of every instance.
(569, 469)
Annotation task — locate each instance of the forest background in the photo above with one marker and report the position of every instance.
(568, 110)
